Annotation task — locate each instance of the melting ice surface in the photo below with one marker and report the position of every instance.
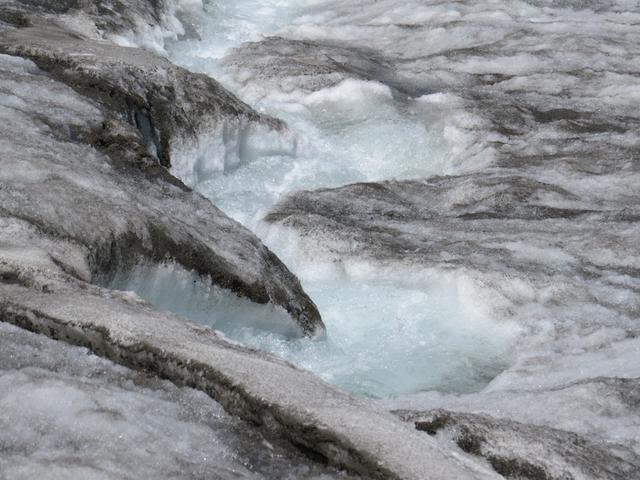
(386, 335)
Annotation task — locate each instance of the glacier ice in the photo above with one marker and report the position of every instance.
(173, 288)
(527, 111)
(69, 414)
(495, 219)
(353, 129)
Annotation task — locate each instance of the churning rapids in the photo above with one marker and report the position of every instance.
(388, 334)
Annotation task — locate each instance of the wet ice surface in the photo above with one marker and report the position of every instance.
(65, 413)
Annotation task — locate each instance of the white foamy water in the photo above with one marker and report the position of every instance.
(386, 335)
(354, 131)
(388, 338)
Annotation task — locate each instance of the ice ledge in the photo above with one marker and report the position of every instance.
(283, 400)
(169, 105)
(520, 450)
(85, 123)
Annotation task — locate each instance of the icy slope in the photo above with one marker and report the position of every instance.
(67, 414)
(83, 194)
(106, 191)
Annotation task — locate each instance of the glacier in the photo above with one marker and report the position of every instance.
(452, 187)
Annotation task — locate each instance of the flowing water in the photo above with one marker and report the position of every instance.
(389, 333)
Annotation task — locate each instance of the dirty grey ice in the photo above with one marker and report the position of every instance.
(324, 239)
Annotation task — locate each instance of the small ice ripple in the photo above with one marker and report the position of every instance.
(67, 414)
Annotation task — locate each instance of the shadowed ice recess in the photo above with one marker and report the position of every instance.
(387, 334)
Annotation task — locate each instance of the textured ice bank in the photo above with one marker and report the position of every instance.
(69, 414)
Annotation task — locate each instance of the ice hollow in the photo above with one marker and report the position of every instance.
(385, 337)
(388, 337)
(354, 131)
(285, 402)
(352, 121)
(173, 288)
(455, 187)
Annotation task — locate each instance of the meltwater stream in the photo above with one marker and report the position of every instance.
(387, 334)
